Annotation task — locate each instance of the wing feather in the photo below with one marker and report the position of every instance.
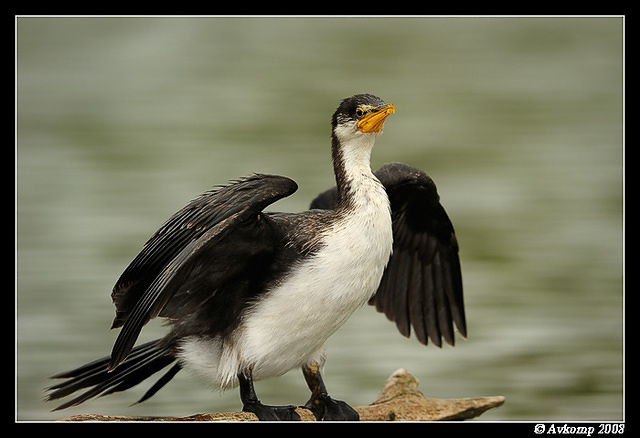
(167, 259)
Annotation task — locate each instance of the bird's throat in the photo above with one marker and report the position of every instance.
(352, 166)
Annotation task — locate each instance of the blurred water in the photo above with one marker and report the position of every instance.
(121, 121)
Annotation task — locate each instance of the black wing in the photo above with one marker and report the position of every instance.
(422, 284)
(180, 248)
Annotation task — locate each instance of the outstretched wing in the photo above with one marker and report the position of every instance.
(171, 255)
(422, 284)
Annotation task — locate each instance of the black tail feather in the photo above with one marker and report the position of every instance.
(144, 361)
(161, 382)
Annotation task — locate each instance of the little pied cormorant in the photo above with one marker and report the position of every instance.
(250, 294)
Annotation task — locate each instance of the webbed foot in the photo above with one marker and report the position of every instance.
(325, 408)
(250, 402)
(272, 413)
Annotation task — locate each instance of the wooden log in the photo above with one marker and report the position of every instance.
(399, 400)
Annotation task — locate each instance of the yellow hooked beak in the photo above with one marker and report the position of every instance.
(373, 121)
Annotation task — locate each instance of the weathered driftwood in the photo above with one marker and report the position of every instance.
(399, 400)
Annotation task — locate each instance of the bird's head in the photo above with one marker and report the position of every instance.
(360, 115)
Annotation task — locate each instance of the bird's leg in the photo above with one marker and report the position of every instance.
(324, 407)
(250, 402)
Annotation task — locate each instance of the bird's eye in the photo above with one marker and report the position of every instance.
(359, 112)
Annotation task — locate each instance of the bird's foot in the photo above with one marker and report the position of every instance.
(324, 408)
(272, 413)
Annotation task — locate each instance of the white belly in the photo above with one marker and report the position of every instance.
(294, 323)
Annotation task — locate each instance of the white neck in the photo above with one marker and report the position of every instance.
(352, 164)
